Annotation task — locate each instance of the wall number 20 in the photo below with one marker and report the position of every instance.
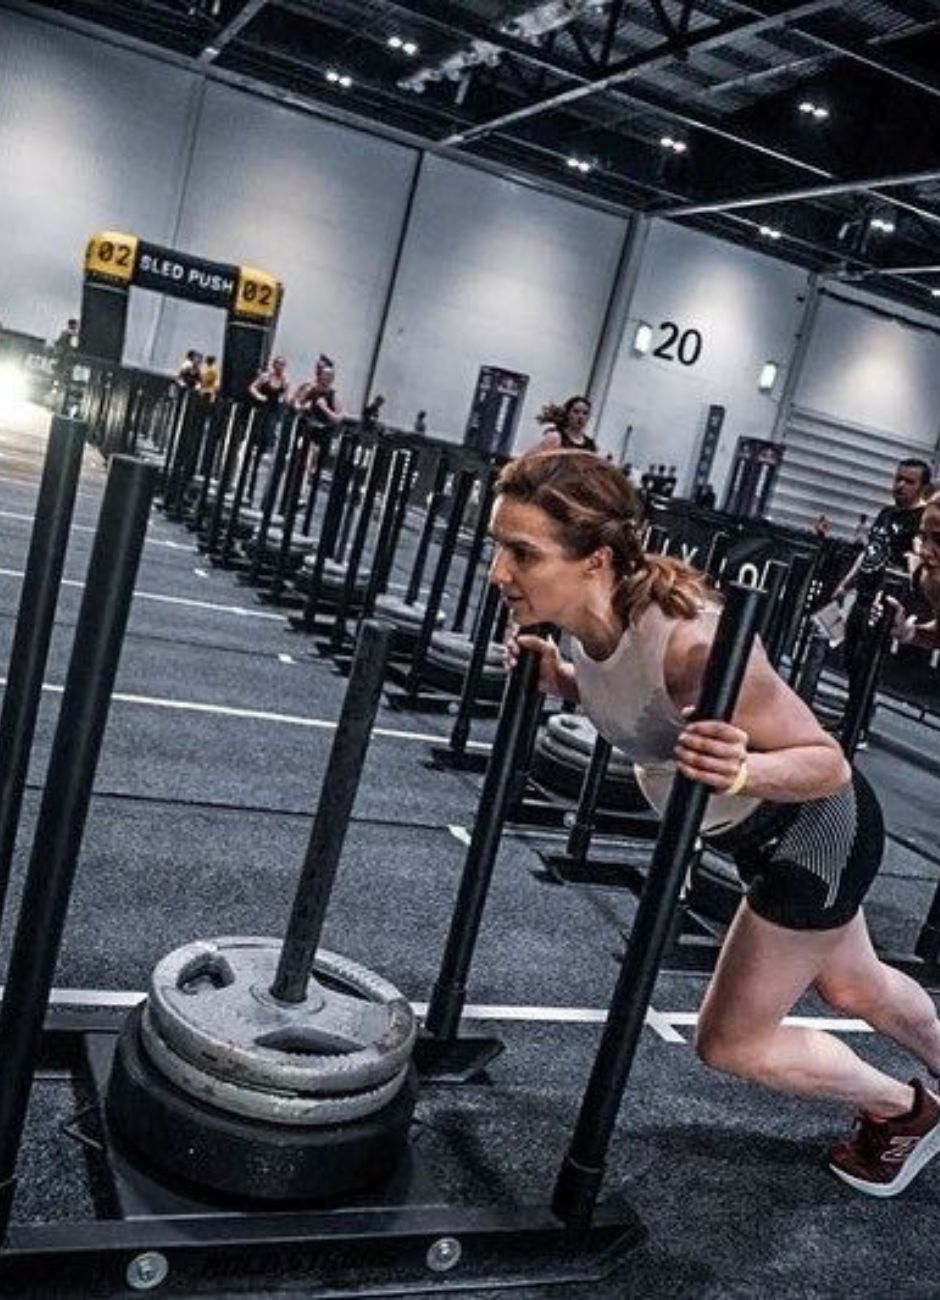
(684, 346)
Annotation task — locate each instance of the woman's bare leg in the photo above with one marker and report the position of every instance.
(761, 973)
(855, 980)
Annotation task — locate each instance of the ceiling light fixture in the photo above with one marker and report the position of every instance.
(884, 224)
(677, 146)
(770, 232)
(578, 164)
(395, 42)
(768, 376)
(817, 111)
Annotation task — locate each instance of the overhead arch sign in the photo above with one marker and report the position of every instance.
(116, 262)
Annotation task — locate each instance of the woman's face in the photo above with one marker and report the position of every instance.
(538, 581)
(578, 417)
(324, 376)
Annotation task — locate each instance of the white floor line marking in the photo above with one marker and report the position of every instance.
(91, 528)
(286, 659)
(461, 834)
(662, 1022)
(834, 1025)
(118, 998)
(253, 715)
(187, 601)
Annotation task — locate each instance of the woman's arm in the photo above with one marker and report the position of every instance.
(335, 414)
(253, 387)
(790, 759)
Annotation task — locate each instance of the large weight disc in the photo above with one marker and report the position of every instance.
(403, 615)
(211, 1004)
(189, 1139)
(259, 1103)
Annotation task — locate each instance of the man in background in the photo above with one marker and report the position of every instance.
(890, 547)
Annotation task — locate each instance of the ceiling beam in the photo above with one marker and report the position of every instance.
(871, 185)
(840, 46)
(661, 54)
(230, 30)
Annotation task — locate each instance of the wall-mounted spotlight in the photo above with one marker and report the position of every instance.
(642, 338)
(579, 165)
(669, 142)
(770, 232)
(768, 376)
(816, 111)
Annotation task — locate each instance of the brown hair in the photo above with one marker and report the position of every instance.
(557, 413)
(593, 504)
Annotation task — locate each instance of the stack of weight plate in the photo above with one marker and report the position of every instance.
(300, 546)
(563, 750)
(334, 578)
(407, 619)
(218, 1083)
(448, 659)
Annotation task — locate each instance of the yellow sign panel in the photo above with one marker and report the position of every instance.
(111, 254)
(258, 293)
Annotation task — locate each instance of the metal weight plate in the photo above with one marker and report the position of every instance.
(247, 1158)
(454, 650)
(263, 1104)
(397, 611)
(211, 1003)
(575, 737)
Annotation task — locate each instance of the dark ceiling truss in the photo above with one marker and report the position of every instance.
(624, 69)
(246, 11)
(525, 85)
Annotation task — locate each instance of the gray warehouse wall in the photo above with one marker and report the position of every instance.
(91, 137)
(745, 308)
(495, 273)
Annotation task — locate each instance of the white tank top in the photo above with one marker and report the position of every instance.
(625, 696)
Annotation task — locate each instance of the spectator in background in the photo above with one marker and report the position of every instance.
(372, 412)
(669, 482)
(705, 496)
(188, 374)
(823, 526)
(421, 422)
(890, 545)
(209, 379)
(564, 426)
(267, 391)
(67, 341)
(317, 398)
(860, 533)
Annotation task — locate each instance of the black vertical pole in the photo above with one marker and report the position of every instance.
(582, 1170)
(520, 700)
(337, 795)
(579, 837)
(487, 488)
(382, 554)
(378, 472)
(435, 501)
(102, 619)
(34, 621)
(859, 704)
(458, 504)
(290, 506)
(460, 733)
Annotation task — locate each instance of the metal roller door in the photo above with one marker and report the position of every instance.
(837, 469)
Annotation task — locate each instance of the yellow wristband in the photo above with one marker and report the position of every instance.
(739, 784)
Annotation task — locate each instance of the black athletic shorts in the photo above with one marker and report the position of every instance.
(808, 866)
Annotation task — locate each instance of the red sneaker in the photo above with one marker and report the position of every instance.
(883, 1156)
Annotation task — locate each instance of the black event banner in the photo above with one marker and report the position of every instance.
(182, 276)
